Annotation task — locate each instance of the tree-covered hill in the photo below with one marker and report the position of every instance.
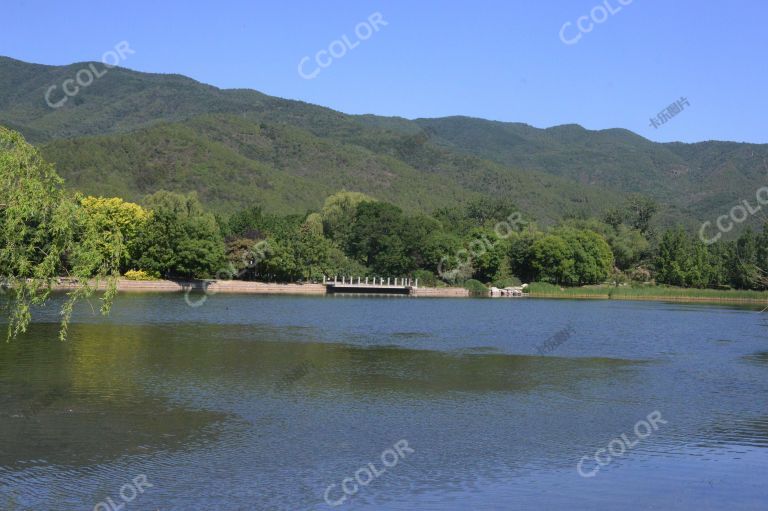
(706, 178)
(132, 133)
(233, 162)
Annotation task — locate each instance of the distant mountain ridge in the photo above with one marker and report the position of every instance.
(130, 133)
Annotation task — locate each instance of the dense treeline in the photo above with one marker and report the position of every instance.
(485, 240)
(683, 260)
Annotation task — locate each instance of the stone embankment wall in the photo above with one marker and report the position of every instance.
(239, 286)
(445, 292)
(223, 286)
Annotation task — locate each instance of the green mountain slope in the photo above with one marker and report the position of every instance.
(130, 133)
(701, 179)
(233, 162)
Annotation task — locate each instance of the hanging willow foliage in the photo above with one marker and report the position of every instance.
(45, 234)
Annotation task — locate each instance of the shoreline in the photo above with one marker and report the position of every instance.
(656, 298)
(213, 287)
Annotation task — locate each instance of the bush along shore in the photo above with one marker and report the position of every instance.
(651, 293)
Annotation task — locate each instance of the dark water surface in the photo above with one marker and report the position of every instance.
(261, 403)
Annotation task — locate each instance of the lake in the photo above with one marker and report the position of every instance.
(393, 403)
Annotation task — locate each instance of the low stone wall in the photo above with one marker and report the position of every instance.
(223, 286)
(153, 285)
(443, 292)
(240, 286)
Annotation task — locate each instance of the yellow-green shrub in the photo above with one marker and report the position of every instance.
(140, 275)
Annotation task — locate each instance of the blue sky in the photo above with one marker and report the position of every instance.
(502, 60)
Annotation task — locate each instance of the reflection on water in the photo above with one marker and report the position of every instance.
(81, 402)
(759, 358)
(749, 432)
(261, 403)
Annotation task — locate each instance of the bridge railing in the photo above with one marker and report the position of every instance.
(371, 281)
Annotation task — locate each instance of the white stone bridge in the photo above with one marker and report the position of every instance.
(378, 285)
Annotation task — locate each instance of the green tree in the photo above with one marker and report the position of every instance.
(247, 223)
(47, 233)
(521, 254)
(571, 256)
(116, 217)
(615, 217)
(593, 259)
(761, 258)
(487, 211)
(245, 257)
(721, 257)
(339, 212)
(314, 222)
(641, 211)
(180, 239)
(439, 246)
(376, 239)
(745, 269)
(683, 260)
(489, 255)
(700, 271)
(416, 231)
(339, 264)
(281, 263)
(311, 251)
(304, 254)
(672, 258)
(629, 246)
(553, 260)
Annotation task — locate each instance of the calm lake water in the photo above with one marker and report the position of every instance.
(262, 403)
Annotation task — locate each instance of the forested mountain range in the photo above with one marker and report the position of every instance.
(130, 133)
